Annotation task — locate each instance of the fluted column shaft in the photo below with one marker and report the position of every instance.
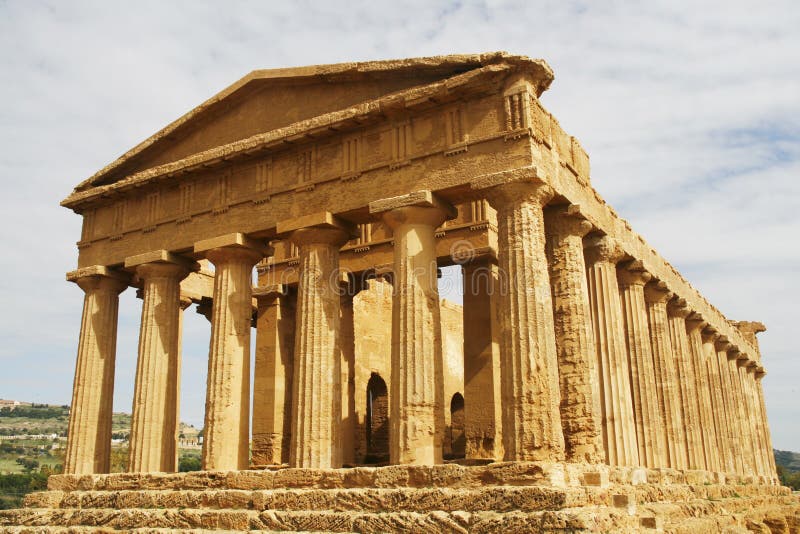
(272, 379)
(89, 436)
(416, 414)
(743, 426)
(316, 391)
(719, 405)
(728, 377)
(688, 390)
(668, 389)
(707, 427)
(649, 429)
(772, 473)
(529, 363)
(482, 410)
(154, 425)
(577, 360)
(754, 413)
(619, 429)
(226, 432)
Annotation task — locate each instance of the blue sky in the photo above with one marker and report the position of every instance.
(690, 113)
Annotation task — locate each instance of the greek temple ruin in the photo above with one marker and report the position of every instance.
(314, 207)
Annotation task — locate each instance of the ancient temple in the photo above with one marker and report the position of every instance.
(583, 384)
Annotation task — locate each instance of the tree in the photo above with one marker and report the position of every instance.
(189, 463)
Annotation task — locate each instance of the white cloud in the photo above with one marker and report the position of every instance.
(689, 111)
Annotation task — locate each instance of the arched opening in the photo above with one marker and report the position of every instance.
(458, 441)
(377, 420)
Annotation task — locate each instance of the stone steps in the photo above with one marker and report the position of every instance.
(503, 498)
(573, 520)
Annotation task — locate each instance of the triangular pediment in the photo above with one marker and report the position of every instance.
(266, 100)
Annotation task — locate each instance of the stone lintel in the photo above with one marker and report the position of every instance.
(425, 199)
(754, 327)
(236, 240)
(322, 219)
(270, 292)
(97, 270)
(161, 256)
(529, 173)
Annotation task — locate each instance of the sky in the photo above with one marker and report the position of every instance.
(690, 112)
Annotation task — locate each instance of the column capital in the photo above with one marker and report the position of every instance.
(317, 228)
(603, 249)
(99, 277)
(710, 335)
(656, 292)
(419, 207)
(566, 220)
(270, 292)
(162, 258)
(235, 245)
(677, 308)
(514, 185)
(695, 321)
(722, 344)
(633, 273)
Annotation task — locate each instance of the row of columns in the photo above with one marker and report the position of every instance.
(596, 361)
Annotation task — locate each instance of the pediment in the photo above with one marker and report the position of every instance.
(266, 100)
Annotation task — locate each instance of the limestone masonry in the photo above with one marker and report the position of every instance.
(583, 385)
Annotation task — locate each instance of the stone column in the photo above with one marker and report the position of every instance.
(668, 390)
(678, 312)
(743, 426)
(529, 362)
(349, 416)
(760, 373)
(154, 424)
(619, 430)
(694, 327)
(577, 359)
(482, 408)
(727, 377)
(226, 434)
(272, 379)
(416, 393)
(89, 436)
(754, 412)
(649, 429)
(719, 404)
(317, 383)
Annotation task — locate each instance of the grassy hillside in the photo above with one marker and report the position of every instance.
(790, 461)
(49, 419)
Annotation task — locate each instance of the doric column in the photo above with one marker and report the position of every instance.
(154, 424)
(317, 383)
(668, 390)
(226, 434)
(350, 287)
(649, 429)
(529, 362)
(694, 327)
(760, 373)
(482, 408)
(727, 376)
(754, 412)
(89, 436)
(577, 359)
(743, 426)
(416, 393)
(717, 388)
(686, 381)
(272, 377)
(602, 256)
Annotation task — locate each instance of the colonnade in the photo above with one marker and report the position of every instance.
(595, 360)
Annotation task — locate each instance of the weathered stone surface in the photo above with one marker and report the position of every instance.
(366, 179)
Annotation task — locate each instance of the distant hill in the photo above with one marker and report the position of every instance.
(36, 419)
(790, 461)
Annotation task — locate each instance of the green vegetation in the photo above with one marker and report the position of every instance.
(788, 465)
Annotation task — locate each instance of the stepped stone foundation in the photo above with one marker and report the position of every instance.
(585, 385)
